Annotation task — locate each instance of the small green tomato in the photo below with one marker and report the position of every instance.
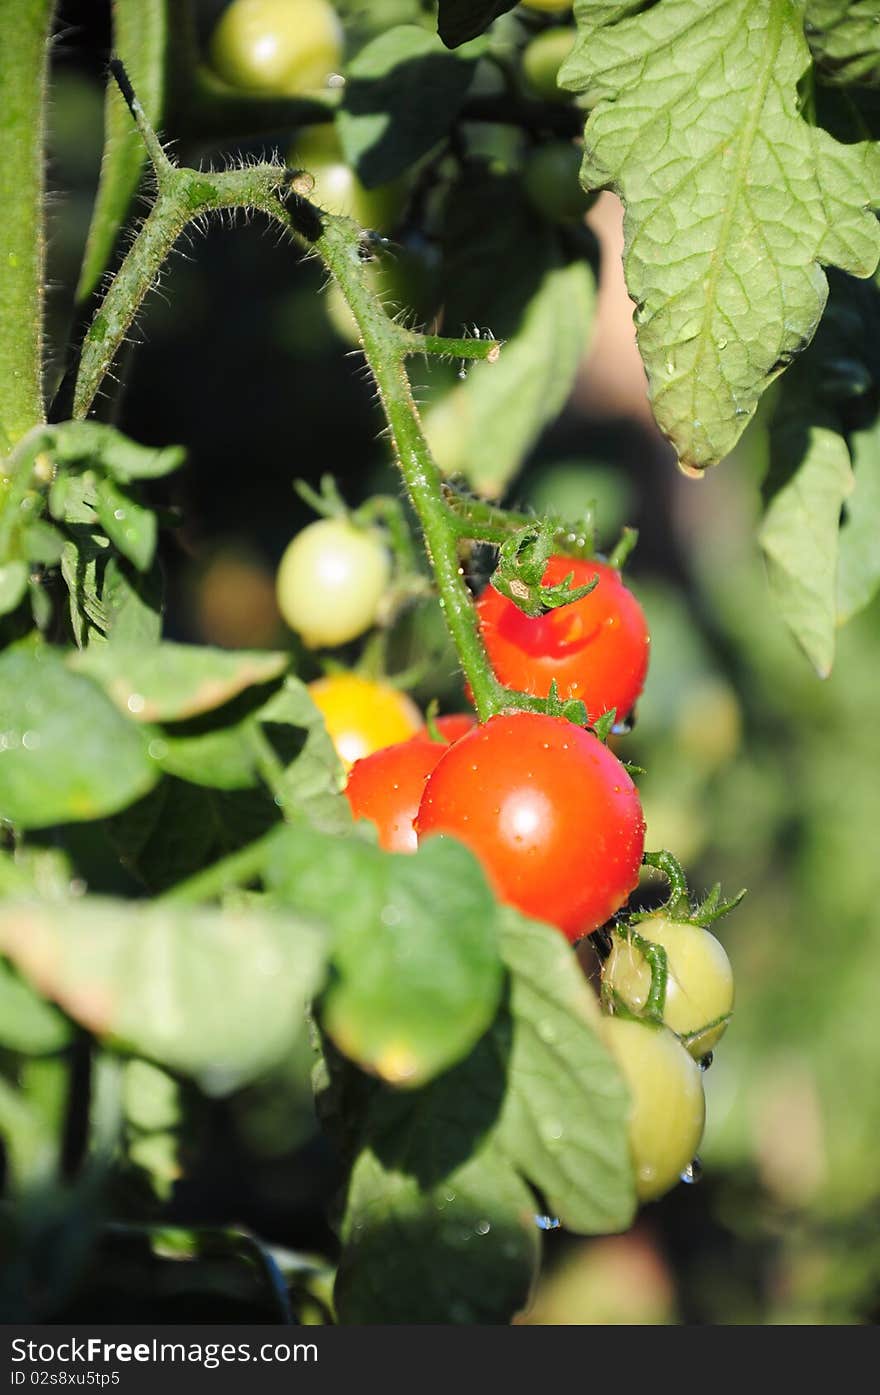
(331, 581)
(280, 47)
(667, 1109)
(551, 179)
(699, 984)
(337, 188)
(542, 58)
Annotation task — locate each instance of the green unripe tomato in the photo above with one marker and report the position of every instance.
(551, 178)
(548, 6)
(337, 188)
(331, 581)
(279, 47)
(542, 58)
(667, 1109)
(699, 984)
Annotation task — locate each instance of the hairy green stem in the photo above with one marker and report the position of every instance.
(678, 903)
(184, 196)
(477, 519)
(340, 248)
(24, 50)
(469, 347)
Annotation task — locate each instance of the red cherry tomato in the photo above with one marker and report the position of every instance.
(596, 648)
(552, 815)
(386, 788)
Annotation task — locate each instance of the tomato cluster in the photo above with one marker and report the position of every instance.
(661, 1046)
(550, 812)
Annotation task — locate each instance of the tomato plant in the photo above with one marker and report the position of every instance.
(255, 1065)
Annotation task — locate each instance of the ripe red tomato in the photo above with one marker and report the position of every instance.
(552, 815)
(386, 788)
(596, 648)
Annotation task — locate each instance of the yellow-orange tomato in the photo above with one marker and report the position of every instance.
(363, 715)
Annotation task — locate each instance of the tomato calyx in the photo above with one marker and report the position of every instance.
(522, 562)
(679, 904)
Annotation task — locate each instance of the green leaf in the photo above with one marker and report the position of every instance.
(102, 446)
(313, 775)
(858, 574)
(131, 603)
(402, 93)
(460, 20)
(222, 757)
(219, 995)
(417, 975)
(13, 584)
(564, 1117)
(32, 1127)
(172, 682)
(228, 756)
(503, 407)
(181, 828)
(27, 1022)
(463, 1251)
(107, 596)
(66, 752)
(42, 543)
(507, 271)
(733, 202)
(155, 1132)
(130, 526)
(812, 477)
(431, 1197)
(140, 37)
(844, 39)
(24, 51)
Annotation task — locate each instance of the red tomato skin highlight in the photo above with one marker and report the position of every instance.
(549, 811)
(596, 648)
(387, 786)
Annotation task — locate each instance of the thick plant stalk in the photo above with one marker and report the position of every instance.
(24, 35)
